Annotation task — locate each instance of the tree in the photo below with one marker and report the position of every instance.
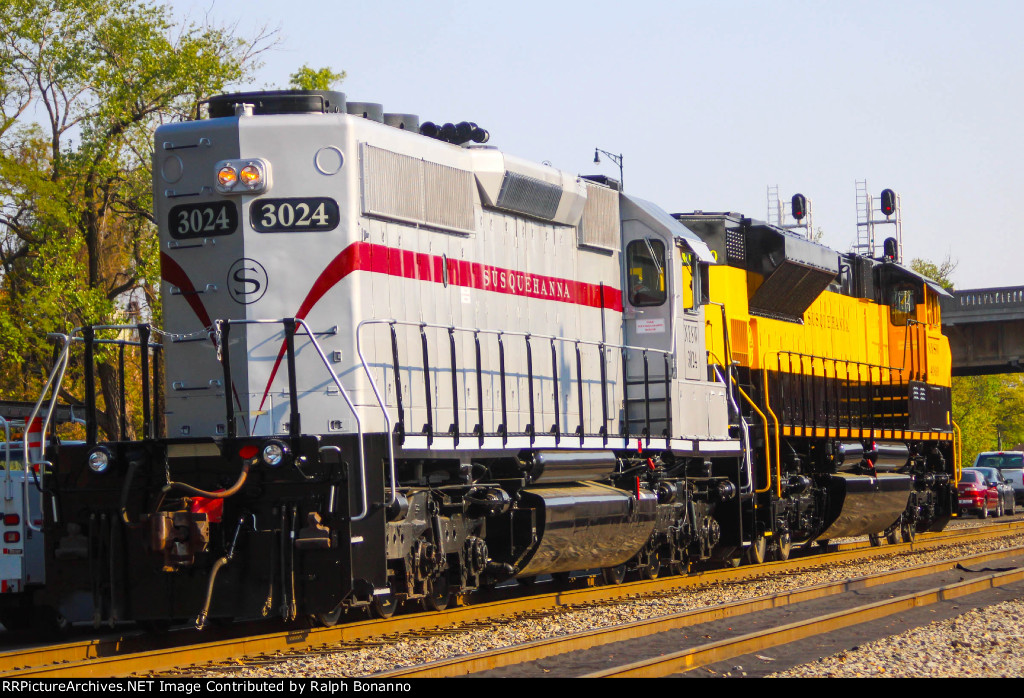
(306, 78)
(937, 272)
(988, 409)
(83, 86)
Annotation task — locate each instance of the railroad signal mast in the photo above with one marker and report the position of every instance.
(799, 208)
(867, 219)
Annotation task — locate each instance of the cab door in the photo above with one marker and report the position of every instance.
(648, 273)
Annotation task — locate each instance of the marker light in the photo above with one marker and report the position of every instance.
(251, 176)
(226, 177)
(242, 176)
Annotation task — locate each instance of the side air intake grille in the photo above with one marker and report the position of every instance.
(416, 191)
(529, 196)
(790, 290)
(599, 226)
(735, 245)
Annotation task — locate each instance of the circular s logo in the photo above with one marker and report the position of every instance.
(247, 281)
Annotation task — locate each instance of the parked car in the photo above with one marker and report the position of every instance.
(984, 491)
(1010, 464)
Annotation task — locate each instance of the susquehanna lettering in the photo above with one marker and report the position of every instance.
(526, 284)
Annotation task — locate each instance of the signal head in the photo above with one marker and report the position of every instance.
(888, 202)
(890, 249)
(799, 206)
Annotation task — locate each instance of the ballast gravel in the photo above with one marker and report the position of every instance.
(983, 643)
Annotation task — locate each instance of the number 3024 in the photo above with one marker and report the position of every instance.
(203, 220)
(294, 215)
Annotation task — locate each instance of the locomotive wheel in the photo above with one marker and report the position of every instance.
(908, 530)
(437, 598)
(330, 618)
(891, 535)
(874, 539)
(653, 566)
(384, 606)
(677, 567)
(783, 546)
(614, 575)
(757, 553)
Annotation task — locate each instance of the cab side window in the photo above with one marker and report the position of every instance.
(693, 292)
(645, 264)
(903, 304)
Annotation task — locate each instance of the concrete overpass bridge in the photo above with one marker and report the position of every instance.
(985, 327)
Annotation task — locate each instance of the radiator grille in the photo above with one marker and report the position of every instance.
(414, 190)
(600, 224)
(529, 196)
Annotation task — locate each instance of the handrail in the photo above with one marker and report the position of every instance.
(768, 406)
(294, 396)
(54, 381)
(500, 334)
(958, 456)
(747, 457)
(7, 456)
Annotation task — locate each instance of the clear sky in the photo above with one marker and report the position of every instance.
(710, 102)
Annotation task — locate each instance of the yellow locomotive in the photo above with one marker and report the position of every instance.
(841, 377)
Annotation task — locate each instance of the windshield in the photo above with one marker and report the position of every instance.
(990, 474)
(1011, 461)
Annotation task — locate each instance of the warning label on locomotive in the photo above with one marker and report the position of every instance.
(651, 326)
(294, 215)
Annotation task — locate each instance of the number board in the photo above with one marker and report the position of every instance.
(294, 215)
(203, 220)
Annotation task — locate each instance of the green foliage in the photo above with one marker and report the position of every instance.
(936, 272)
(990, 412)
(306, 78)
(83, 86)
(988, 409)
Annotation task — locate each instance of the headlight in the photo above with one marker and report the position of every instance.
(274, 453)
(99, 459)
(246, 176)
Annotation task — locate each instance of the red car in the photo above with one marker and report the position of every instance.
(977, 496)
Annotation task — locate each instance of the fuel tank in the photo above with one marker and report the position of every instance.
(861, 504)
(585, 525)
